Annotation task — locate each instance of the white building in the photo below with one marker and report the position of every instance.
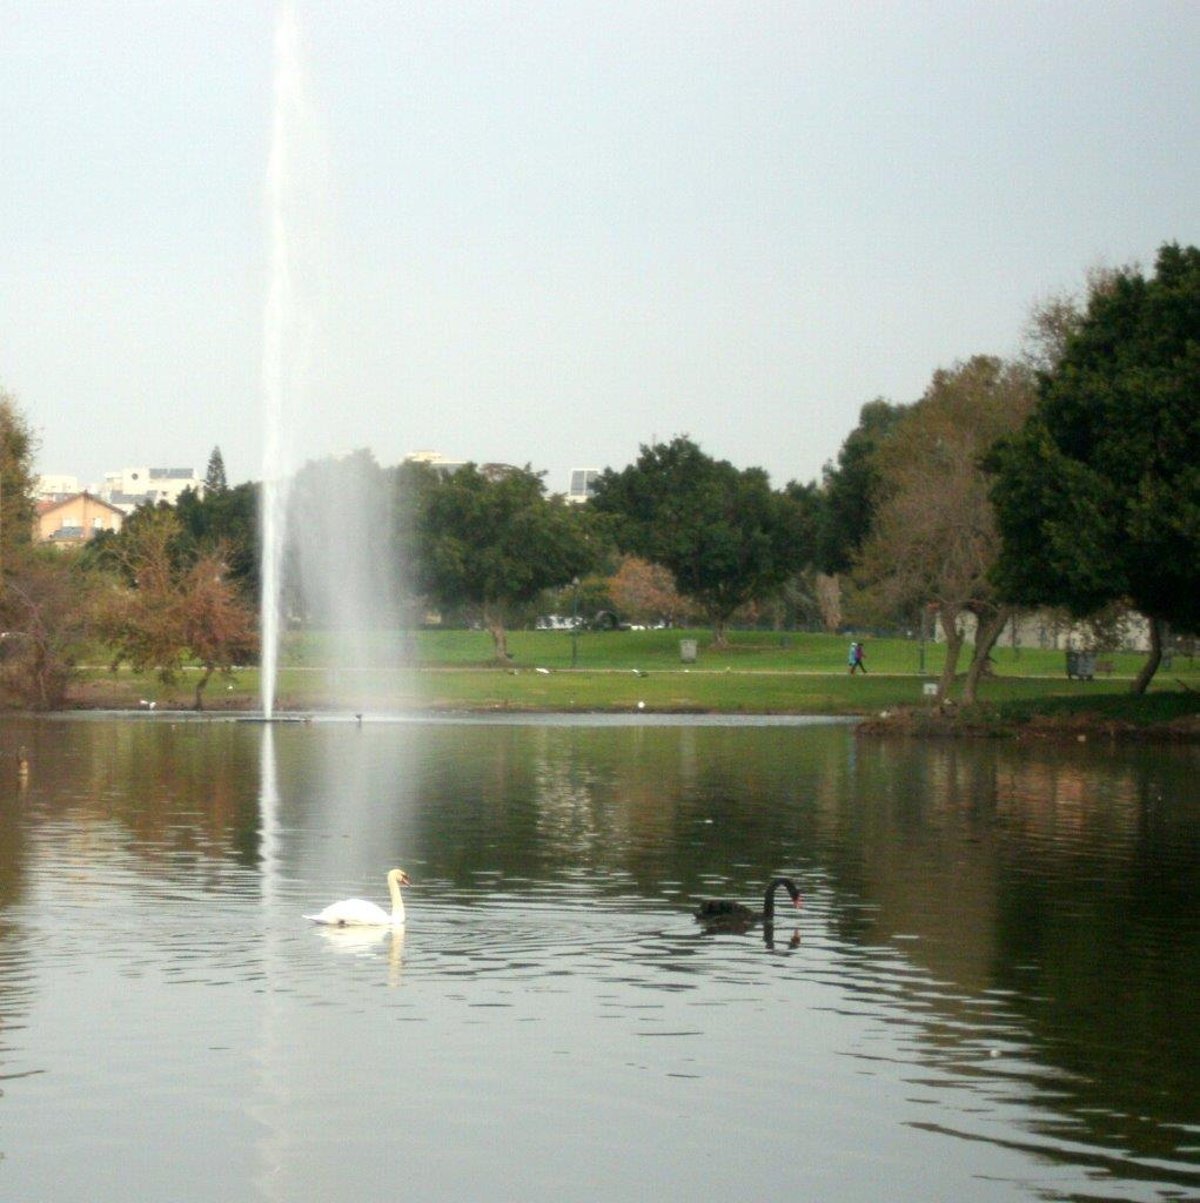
(436, 460)
(1054, 629)
(132, 487)
(583, 484)
(57, 487)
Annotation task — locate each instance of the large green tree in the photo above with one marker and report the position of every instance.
(1098, 495)
(43, 598)
(16, 479)
(214, 476)
(724, 534)
(850, 488)
(848, 497)
(226, 518)
(492, 540)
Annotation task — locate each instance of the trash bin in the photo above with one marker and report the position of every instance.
(1081, 665)
(687, 651)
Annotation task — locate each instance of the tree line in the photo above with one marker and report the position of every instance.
(1068, 477)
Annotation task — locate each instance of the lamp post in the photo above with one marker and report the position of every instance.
(574, 621)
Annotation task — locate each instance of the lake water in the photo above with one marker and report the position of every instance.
(990, 993)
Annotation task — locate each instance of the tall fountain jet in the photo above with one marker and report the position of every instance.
(285, 338)
(329, 521)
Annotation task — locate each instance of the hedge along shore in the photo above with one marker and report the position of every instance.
(1091, 723)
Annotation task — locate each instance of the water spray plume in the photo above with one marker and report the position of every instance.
(282, 343)
(322, 523)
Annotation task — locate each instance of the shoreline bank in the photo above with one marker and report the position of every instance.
(1106, 718)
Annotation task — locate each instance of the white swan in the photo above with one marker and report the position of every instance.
(356, 912)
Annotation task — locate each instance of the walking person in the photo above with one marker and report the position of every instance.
(858, 657)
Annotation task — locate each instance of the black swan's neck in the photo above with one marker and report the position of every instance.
(769, 898)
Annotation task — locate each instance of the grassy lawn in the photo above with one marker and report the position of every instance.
(760, 673)
(748, 651)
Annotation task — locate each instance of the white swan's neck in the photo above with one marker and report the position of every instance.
(393, 881)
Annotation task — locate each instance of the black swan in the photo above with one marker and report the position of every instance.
(722, 912)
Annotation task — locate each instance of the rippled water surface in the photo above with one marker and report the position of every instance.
(990, 992)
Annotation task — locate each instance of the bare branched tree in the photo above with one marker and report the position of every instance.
(935, 539)
(175, 612)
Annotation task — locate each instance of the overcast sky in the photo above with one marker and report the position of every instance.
(552, 232)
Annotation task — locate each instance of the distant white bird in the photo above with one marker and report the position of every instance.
(356, 912)
(544, 671)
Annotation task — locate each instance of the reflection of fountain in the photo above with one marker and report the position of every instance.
(273, 1145)
(268, 821)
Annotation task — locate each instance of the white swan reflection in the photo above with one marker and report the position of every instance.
(369, 942)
